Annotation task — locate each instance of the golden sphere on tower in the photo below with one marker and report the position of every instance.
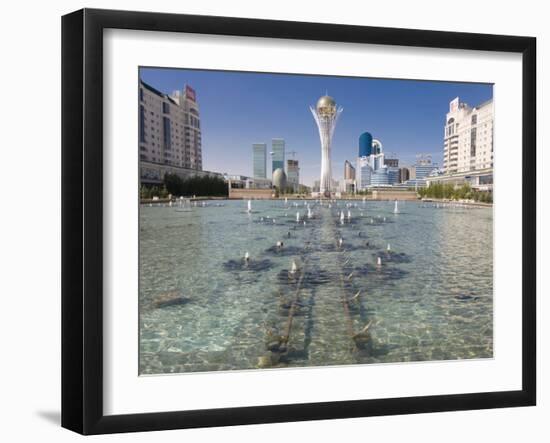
(326, 105)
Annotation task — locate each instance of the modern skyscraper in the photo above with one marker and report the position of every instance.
(259, 159)
(468, 137)
(349, 171)
(371, 168)
(326, 116)
(365, 144)
(277, 154)
(293, 174)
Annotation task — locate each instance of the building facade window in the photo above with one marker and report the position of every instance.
(167, 133)
(165, 108)
(142, 124)
(473, 140)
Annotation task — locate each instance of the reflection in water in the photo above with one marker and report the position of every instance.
(203, 307)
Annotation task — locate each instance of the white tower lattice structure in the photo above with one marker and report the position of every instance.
(326, 115)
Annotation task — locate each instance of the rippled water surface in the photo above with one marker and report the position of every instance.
(204, 308)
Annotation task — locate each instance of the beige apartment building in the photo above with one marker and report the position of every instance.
(468, 141)
(169, 133)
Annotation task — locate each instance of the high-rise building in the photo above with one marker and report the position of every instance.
(349, 171)
(393, 175)
(468, 141)
(364, 172)
(371, 168)
(277, 154)
(326, 115)
(393, 169)
(293, 174)
(365, 144)
(169, 130)
(423, 167)
(259, 160)
(404, 174)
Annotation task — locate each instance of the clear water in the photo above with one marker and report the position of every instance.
(202, 308)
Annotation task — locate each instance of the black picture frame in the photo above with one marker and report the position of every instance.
(82, 218)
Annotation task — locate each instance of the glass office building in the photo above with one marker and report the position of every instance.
(422, 171)
(277, 154)
(380, 177)
(259, 160)
(363, 173)
(393, 175)
(365, 144)
(423, 167)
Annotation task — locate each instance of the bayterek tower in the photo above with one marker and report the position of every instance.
(326, 115)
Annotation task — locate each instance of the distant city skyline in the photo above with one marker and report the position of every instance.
(240, 109)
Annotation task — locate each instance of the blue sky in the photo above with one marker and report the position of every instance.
(238, 109)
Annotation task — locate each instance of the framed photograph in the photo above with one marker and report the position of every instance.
(269, 221)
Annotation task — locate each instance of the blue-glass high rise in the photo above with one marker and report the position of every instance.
(365, 144)
(259, 158)
(277, 154)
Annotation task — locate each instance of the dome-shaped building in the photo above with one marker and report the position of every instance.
(279, 178)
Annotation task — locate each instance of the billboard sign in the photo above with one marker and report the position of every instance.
(190, 93)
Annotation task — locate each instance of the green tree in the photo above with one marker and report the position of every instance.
(205, 186)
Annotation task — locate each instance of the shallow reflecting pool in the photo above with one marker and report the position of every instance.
(375, 287)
